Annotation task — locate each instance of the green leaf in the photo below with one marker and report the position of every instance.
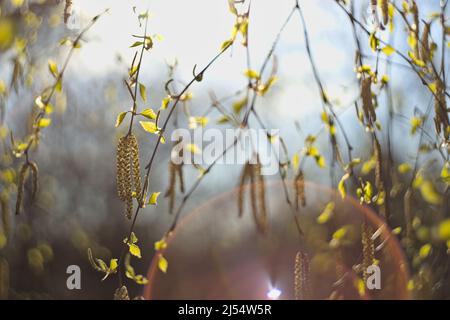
(326, 214)
(113, 265)
(340, 233)
(137, 44)
(404, 168)
(162, 263)
(445, 173)
(373, 42)
(238, 105)
(102, 265)
(425, 251)
(252, 74)
(295, 161)
(165, 102)
(53, 68)
(44, 122)
(223, 119)
(149, 126)
(388, 50)
(134, 250)
(143, 92)
(193, 148)
(161, 244)
(154, 198)
(133, 238)
(3, 240)
(149, 113)
(429, 193)
(120, 118)
(444, 230)
(226, 44)
(341, 186)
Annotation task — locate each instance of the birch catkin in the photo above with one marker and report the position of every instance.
(175, 170)
(299, 186)
(121, 293)
(4, 279)
(67, 10)
(301, 276)
(366, 96)
(425, 45)
(441, 120)
(245, 175)
(368, 249)
(6, 224)
(128, 172)
(384, 5)
(23, 174)
(252, 172)
(34, 175)
(416, 26)
(262, 217)
(21, 186)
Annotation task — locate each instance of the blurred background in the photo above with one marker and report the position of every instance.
(77, 206)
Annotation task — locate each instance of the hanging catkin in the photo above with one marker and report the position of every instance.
(299, 186)
(258, 195)
(368, 249)
(34, 174)
(6, 224)
(441, 120)
(384, 6)
(128, 172)
(121, 293)
(301, 276)
(175, 170)
(4, 279)
(252, 172)
(67, 10)
(425, 53)
(408, 212)
(20, 187)
(379, 183)
(366, 95)
(416, 26)
(245, 175)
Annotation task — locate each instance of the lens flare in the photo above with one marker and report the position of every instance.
(274, 294)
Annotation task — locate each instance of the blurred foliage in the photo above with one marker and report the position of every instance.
(39, 180)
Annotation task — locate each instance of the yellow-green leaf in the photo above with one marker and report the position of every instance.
(120, 118)
(295, 161)
(192, 148)
(149, 113)
(252, 74)
(404, 168)
(161, 244)
(154, 198)
(53, 68)
(444, 230)
(388, 50)
(341, 186)
(162, 263)
(226, 44)
(326, 214)
(113, 264)
(143, 92)
(425, 251)
(165, 102)
(149, 126)
(134, 250)
(429, 193)
(44, 122)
